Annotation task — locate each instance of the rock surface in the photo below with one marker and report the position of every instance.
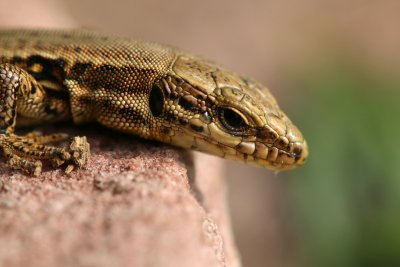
(133, 205)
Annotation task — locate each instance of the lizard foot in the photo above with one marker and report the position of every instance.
(27, 152)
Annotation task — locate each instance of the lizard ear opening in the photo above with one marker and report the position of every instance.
(156, 101)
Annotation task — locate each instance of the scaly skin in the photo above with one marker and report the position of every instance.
(154, 91)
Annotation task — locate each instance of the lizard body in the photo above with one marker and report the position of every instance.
(154, 91)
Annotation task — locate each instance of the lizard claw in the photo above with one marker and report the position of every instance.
(32, 167)
(76, 154)
(79, 150)
(25, 154)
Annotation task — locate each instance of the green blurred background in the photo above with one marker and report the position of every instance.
(334, 68)
(345, 206)
(345, 201)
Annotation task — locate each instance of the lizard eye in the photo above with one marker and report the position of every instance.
(156, 101)
(231, 120)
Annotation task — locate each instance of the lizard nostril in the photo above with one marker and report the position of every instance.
(300, 151)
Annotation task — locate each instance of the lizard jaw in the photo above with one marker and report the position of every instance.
(255, 153)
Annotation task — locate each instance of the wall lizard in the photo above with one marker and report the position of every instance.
(150, 90)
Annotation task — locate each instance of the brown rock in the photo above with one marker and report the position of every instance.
(133, 205)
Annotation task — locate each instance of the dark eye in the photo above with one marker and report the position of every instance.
(231, 120)
(156, 101)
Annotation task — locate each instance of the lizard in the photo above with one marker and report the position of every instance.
(147, 89)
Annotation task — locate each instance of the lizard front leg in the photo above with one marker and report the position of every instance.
(21, 93)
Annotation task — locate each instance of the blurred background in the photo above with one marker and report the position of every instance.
(334, 68)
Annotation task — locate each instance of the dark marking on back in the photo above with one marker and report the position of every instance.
(79, 69)
(64, 95)
(115, 78)
(131, 115)
(60, 63)
(52, 70)
(106, 68)
(16, 60)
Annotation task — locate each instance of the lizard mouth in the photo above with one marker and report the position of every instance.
(269, 156)
(273, 154)
(256, 153)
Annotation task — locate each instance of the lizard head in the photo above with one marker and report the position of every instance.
(213, 110)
